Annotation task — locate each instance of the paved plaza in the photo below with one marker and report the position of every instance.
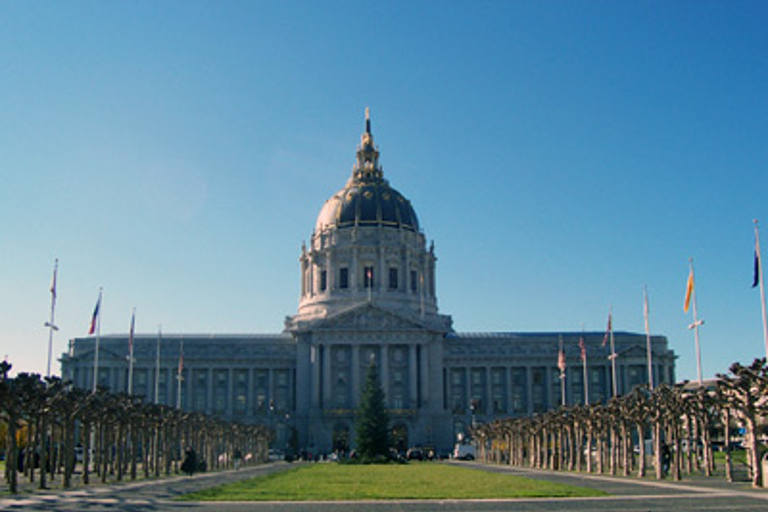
(626, 495)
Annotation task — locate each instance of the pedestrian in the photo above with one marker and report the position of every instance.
(190, 462)
(665, 458)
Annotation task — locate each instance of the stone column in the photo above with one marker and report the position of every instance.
(209, 392)
(249, 392)
(314, 362)
(528, 390)
(413, 377)
(326, 401)
(355, 369)
(230, 392)
(424, 349)
(488, 391)
(384, 350)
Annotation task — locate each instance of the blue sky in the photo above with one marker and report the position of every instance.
(562, 155)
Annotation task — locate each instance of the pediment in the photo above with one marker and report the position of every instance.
(633, 351)
(369, 317)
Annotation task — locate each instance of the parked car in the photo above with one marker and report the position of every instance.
(464, 452)
(415, 454)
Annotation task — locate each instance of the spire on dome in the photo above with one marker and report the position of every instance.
(366, 139)
(367, 165)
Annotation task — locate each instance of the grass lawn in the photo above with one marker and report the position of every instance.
(420, 481)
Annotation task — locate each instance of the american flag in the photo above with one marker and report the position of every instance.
(608, 329)
(95, 317)
(561, 360)
(130, 336)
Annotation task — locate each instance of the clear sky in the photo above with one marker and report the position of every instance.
(562, 155)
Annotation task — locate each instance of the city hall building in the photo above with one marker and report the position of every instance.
(368, 281)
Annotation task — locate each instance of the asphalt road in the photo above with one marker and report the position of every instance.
(627, 495)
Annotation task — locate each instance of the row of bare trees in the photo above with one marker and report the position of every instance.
(50, 426)
(681, 421)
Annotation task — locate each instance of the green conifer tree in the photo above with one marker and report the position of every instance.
(372, 421)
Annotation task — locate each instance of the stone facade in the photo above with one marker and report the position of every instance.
(368, 295)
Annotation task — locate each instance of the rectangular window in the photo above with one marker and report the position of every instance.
(597, 385)
(162, 387)
(344, 278)
(414, 281)
(241, 390)
(539, 390)
(282, 391)
(323, 280)
(368, 277)
(519, 391)
(577, 387)
(477, 393)
(220, 391)
(140, 387)
(458, 390)
(261, 391)
(200, 386)
(393, 278)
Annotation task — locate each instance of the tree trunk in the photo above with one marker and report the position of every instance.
(41, 435)
(86, 434)
(753, 449)
(68, 435)
(12, 456)
(657, 462)
(675, 429)
(640, 428)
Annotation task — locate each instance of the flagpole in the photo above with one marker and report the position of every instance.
(50, 324)
(179, 376)
(646, 312)
(157, 365)
(695, 325)
(759, 276)
(613, 355)
(561, 365)
(98, 342)
(583, 348)
(130, 354)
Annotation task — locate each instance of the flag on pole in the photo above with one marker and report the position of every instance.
(645, 310)
(130, 336)
(688, 291)
(95, 317)
(53, 283)
(583, 349)
(181, 360)
(561, 360)
(608, 329)
(756, 280)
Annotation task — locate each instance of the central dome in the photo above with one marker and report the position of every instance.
(367, 204)
(367, 199)
(367, 248)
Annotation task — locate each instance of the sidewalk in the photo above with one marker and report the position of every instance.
(630, 485)
(160, 487)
